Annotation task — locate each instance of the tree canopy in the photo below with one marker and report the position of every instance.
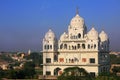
(74, 73)
(36, 57)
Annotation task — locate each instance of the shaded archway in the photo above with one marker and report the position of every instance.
(65, 46)
(83, 46)
(56, 70)
(61, 46)
(78, 46)
(79, 35)
(55, 57)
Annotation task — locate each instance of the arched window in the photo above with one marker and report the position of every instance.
(61, 46)
(55, 58)
(65, 46)
(91, 46)
(69, 60)
(74, 37)
(44, 46)
(94, 46)
(75, 47)
(78, 46)
(50, 46)
(72, 61)
(47, 46)
(83, 46)
(79, 35)
(72, 47)
(88, 46)
(69, 47)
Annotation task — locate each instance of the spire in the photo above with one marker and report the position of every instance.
(77, 12)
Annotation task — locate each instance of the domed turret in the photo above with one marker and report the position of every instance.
(50, 35)
(77, 21)
(103, 36)
(93, 34)
(64, 36)
(77, 27)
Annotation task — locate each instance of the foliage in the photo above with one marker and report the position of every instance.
(36, 57)
(27, 72)
(104, 74)
(29, 69)
(107, 76)
(114, 59)
(115, 69)
(5, 57)
(1, 73)
(39, 71)
(74, 73)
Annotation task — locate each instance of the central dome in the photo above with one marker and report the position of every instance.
(77, 21)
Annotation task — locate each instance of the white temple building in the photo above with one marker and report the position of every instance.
(76, 47)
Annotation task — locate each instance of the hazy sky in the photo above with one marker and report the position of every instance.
(23, 23)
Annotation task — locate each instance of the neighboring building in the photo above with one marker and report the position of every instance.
(4, 66)
(115, 53)
(77, 47)
(29, 52)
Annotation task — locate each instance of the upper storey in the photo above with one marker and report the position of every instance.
(77, 37)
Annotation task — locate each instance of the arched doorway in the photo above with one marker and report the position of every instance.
(56, 70)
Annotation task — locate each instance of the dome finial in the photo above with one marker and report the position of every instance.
(77, 12)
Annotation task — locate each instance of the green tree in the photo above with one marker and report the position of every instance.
(5, 57)
(114, 59)
(36, 57)
(115, 69)
(74, 73)
(107, 76)
(29, 69)
(1, 73)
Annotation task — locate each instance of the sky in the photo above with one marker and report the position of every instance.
(23, 23)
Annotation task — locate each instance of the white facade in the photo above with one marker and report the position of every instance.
(77, 47)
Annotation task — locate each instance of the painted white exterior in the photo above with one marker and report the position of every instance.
(77, 47)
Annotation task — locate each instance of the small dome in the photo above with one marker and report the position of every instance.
(103, 36)
(64, 36)
(77, 21)
(50, 35)
(93, 34)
